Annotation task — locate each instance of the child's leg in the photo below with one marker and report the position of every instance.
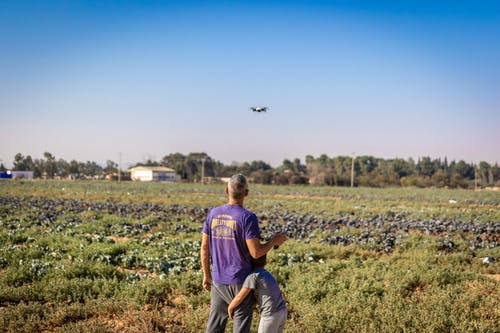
(275, 323)
(283, 314)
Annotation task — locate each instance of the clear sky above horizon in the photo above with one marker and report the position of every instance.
(96, 80)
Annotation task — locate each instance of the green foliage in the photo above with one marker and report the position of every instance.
(324, 170)
(121, 264)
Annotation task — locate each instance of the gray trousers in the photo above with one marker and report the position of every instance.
(275, 323)
(221, 295)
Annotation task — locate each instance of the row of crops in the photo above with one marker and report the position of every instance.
(107, 257)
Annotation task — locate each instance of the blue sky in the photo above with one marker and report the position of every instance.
(95, 80)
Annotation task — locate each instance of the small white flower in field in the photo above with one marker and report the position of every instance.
(452, 201)
(488, 260)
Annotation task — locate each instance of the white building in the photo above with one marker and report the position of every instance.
(22, 174)
(153, 173)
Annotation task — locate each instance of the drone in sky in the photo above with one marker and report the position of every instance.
(259, 108)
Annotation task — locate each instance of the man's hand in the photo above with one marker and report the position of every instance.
(207, 283)
(230, 311)
(278, 239)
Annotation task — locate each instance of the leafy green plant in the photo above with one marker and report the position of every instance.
(101, 256)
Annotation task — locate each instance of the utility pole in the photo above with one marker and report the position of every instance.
(202, 169)
(119, 166)
(352, 170)
(475, 177)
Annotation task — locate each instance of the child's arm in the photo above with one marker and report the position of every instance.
(237, 301)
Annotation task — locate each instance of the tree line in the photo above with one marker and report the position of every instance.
(320, 171)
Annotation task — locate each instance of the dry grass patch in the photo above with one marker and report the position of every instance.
(495, 277)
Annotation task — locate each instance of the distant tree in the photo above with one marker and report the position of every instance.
(440, 179)
(315, 170)
(22, 163)
(110, 168)
(190, 167)
(19, 163)
(192, 170)
(386, 176)
(246, 168)
(29, 163)
(484, 174)
(367, 179)
(309, 159)
(286, 165)
(403, 168)
(295, 166)
(228, 170)
(320, 170)
(149, 163)
(203, 163)
(50, 165)
(92, 169)
(199, 163)
(259, 166)
(38, 167)
(425, 167)
(209, 167)
(495, 174)
(298, 179)
(366, 164)
(342, 170)
(446, 166)
(416, 181)
(457, 181)
(176, 161)
(243, 168)
(462, 169)
(82, 169)
(291, 172)
(323, 170)
(262, 176)
(218, 167)
(62, 168)
(280, 179)
(74, 168)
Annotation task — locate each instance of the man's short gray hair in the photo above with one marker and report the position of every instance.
(237, 186)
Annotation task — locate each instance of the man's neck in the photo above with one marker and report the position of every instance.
(234, 202)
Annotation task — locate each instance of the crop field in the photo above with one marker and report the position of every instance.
(80, 256)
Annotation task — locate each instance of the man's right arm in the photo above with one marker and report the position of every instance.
(205, 262)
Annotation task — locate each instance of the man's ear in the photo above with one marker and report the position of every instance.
(246, 192)
(226, 190)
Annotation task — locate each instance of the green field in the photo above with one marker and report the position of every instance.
(124, 257)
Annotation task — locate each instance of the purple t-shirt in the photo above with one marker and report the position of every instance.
(228, 227)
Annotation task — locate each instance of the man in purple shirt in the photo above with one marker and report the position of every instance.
(231, 238)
